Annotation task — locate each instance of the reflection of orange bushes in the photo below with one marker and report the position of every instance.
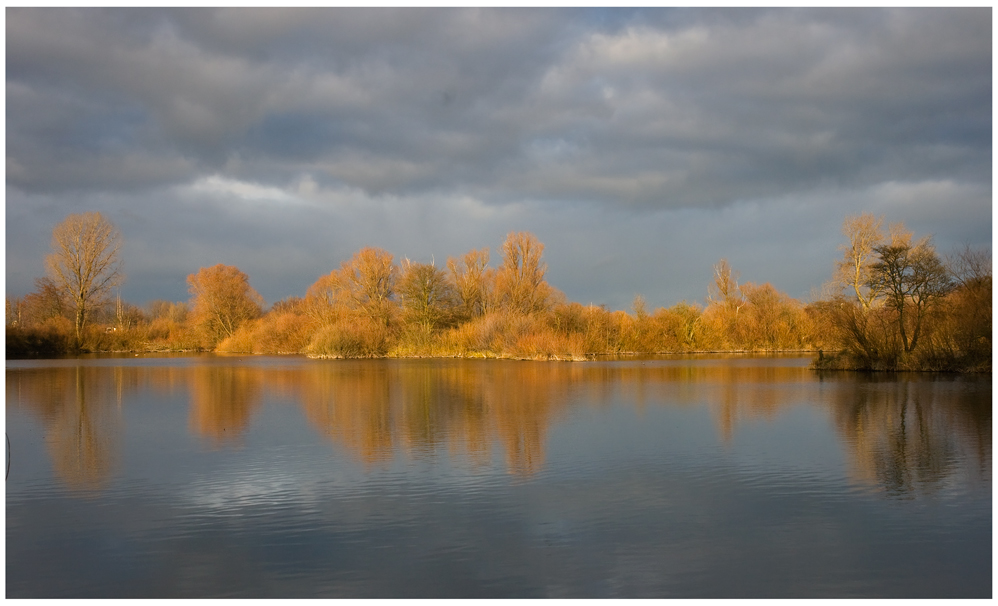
(351, 408)
(223, 399)
(521, 403)
(378, 409)
(904, 435)
(79, 408)
(382, 408)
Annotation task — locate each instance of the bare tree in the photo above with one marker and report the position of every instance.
(427, 298)
(473, 281)
(520, 284)
(912, 279)
(970, 307)
(85, 262)
(725, 289)
(865, 233)
(971, 266)
(364, 284)
(327, 298)
(14, 308)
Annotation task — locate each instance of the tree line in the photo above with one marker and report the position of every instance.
(902, 307)
(893, 305)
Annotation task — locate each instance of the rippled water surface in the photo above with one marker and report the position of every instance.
(694, 477)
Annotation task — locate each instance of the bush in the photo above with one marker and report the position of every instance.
(547, 344)
(282, 333)
(357, 337)
(240, 341)
(419, 340)
(52, 338)
(100, 338)
(481, 336)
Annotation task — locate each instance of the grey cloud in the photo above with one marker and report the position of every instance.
(743, 112)
(720, 110)
(652, 131)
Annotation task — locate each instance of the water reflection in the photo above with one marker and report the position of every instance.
(910, 434)
(903, 434)
(223, 399)
(80, 409)
(377, 410)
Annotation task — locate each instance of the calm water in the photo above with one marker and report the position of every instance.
(698, 477)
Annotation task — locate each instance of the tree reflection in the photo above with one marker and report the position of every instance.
(382, 408)
(80, 410)
(902, 433)
(351, 408)
(734, 392)
(378, 409)
(907, 434)
(223, 399)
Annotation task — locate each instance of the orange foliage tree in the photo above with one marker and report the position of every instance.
(326, 298)
(520, 285)
(369, 279)
(725, 303)
(772, 320)
(221, 300)
(472, 280)
(426, 297)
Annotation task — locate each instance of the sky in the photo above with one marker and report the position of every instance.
(639, 146)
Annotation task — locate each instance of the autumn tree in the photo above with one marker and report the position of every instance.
(426, 297)
(173, 312)
(472, 280)
(969, 306)
(45, 302)
(326, 298)
(126, 315)
(369, 280)
(865, 234)
(689, 329)
(85, 263)
(912, 278)
(772, 319)
(520, 285)
(221, 300)
(725, 301)
(853, 271)
(725, 289)
(14, 308)
(166, 320)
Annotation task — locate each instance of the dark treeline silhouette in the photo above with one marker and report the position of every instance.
(893, 305)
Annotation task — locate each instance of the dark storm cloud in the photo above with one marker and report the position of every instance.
(672, 137)
(396, 90)
(709, 109)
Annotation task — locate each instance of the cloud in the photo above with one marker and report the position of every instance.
(695, 113)
(231, 188)
(673, 137)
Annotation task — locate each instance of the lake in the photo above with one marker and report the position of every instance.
(658, 477)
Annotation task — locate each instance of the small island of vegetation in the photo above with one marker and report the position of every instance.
(893, 305)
